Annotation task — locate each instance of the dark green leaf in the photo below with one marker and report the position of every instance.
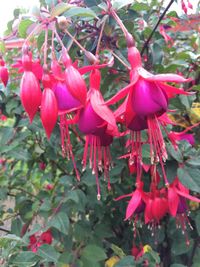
(61, 222)
(48, 253)
(26, 259)
(190, 178)
(127, 261)
(94, 253)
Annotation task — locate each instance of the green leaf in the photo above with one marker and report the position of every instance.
(5, 240)
(26, 259)
(194, 162)
(179, 246)
(127, 261)
(140, 7)
(175, 154)
(118, 4)
(81, 12)
(23, 26)
(61, 222)
(197, 222)
(118, 251)
(59, 9)
(157, 53)
(2, 47)
(94, 253)
(177, 265)
(190, 178)
(48, 253)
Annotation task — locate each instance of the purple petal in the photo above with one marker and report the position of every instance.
(64, 98)
(148, 98)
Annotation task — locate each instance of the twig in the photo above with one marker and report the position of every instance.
(156, 26)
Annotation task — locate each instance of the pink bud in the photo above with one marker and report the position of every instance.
(4, 75)
(30, 94)
(49, 111)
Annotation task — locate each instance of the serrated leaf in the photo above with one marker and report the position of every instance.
(190, 177)
(48, 253)
(23, 26)
(118, 4)
(81, 12)
(61, 222)
(127, 261)
(59, 9)
(94, 253)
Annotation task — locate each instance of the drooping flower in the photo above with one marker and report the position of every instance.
(97, 121)
(177, 196)
(4, 75)
(147, 98)
(49, 111)
(30, 92)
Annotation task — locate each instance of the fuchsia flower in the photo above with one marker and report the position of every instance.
(177, 193)
(30, 92)
(4, 75)
(98, 122)
(147, 98)
(49, 111)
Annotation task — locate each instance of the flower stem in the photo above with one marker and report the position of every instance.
(100, 35)
(45, 46)
(75, 41)
(156, 26)
(120, 60)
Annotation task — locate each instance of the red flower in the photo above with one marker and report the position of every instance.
(37, 240)
(100, 129)
(3, 72)
(49, 111)
(30, 92)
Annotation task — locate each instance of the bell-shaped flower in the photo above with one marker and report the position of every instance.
(97, 121)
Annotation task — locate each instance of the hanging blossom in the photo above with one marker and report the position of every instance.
(71, 95)
(4, 75)
(98, 123)
(146, 99)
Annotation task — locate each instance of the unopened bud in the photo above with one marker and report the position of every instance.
(63, 22)
(92, 59)
(129, 40)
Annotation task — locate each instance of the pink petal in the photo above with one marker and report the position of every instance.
(188, 196)
(133, 204)
(173, 91)
(121, 94)
(173, 201)
(168, 77)
(103, 111)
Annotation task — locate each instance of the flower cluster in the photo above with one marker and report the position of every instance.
(60, 93)
(37, 240)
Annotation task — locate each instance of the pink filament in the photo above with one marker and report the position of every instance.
(66, 143)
